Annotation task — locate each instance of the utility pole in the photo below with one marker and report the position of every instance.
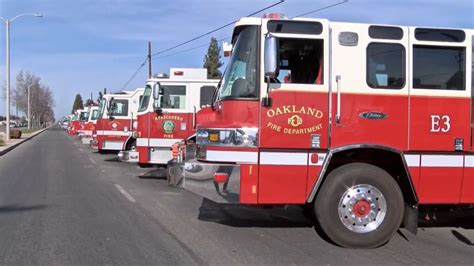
(149, 60)
(7, 78)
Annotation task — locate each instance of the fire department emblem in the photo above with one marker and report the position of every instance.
(114, 125)
(295, 120)
(168, 126)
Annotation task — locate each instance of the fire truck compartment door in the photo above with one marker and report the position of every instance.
(369, 87)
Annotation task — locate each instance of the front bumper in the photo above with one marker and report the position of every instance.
(198, 177)
(128, 156)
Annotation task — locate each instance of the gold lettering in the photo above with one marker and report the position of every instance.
(286, 109)
(278, 111)
(271, 113)
(302, 110)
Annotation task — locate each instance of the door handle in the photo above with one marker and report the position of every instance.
(338, 100)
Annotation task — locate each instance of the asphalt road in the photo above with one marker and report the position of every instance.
(62, 203)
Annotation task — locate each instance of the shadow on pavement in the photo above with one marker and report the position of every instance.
(462, 238)
(155, 173)
(16, 208)
(236, 215)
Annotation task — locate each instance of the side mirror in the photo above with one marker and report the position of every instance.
(271, 57)
(157, 91)
(272, 63)
(227, 48)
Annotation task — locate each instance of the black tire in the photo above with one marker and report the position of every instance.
(326, 205)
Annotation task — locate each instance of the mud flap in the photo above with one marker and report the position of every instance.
(410, 218)
(175, 174)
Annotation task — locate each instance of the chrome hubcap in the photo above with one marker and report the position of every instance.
(362, 208)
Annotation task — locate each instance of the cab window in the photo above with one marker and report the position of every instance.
(174, 97)
(439, 68)
(385, 66)
(301, 61)
(121, 108)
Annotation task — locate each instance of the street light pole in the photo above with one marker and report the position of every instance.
(29, 113)
(7, 68)
(7, 79)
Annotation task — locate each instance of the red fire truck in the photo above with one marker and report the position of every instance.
(117, 120)
(171, 116)
(362, 122)
(80, 116)
(87, 128)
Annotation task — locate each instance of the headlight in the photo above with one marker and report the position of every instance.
(241, 137)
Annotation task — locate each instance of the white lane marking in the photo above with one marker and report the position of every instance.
(125, 193)
(92, 160)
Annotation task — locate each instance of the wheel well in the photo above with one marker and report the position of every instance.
(388, 160)
(128, 144)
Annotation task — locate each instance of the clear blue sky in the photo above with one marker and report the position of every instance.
(82, 46)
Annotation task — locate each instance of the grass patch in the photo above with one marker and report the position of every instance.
(2, 142)
(29, 131)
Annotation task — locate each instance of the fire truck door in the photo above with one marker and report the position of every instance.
(369, 86)
(440, 123)
(297, 120)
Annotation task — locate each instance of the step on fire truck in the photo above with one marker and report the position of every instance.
(364, 123)
(170, 116)
(117, 120)
(87, 128)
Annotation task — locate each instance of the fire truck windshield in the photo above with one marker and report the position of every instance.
(103, 103)
(240, 78)
(145, 99)
(95, 114)
(84, 116)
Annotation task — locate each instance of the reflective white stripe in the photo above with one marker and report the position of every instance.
(112, 133)
(156, 142)
(283, 158)
(142, 142)
(112, 145)
(413, 160)
(469, 161)
(86, 132)
(163, 142)
(442, 161)
(321, 157)
(232, 156)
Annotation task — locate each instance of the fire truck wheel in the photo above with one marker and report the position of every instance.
(359, 206)
(200, 172)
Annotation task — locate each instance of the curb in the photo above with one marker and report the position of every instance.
(18, 144)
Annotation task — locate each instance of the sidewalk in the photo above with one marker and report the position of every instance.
(15, 142)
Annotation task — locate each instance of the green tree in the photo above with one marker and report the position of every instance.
(212, 60)
(78, 104)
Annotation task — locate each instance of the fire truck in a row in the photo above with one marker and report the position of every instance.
(143, 130)
(364, 123)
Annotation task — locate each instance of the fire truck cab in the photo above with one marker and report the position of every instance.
(169, 111)
(117, 120)
(88, 127)
(362, 122)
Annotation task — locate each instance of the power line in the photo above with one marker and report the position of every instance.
(134, 74)
(217, 29)
(189, 49)
(322, 8)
